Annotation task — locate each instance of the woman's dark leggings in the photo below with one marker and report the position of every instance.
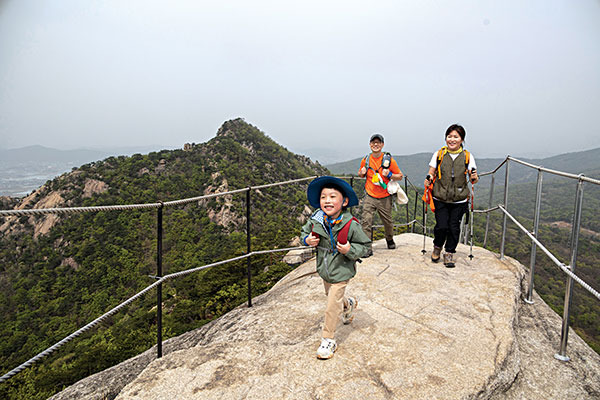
(447, 224)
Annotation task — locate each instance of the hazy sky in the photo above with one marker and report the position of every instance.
(523, 77)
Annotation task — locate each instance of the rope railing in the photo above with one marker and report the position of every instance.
(118, 207)
(569, 270)
(285, 182)
(159, 279)
(205, 197)
(407, 182)
(139, 294)
(69, 210)
(73, 335)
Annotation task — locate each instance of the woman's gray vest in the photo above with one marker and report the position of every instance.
(452, 186)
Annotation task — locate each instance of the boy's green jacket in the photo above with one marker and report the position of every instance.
(333, 266)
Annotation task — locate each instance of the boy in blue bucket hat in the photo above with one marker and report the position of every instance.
(340, 242)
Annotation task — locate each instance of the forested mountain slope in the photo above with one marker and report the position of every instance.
(59, 272)
(556, 216)
(415, 166)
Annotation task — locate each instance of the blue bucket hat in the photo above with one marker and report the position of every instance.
(313, 193)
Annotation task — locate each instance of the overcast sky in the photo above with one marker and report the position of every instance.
(523, 77)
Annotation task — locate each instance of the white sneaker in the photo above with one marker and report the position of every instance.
(348, 314)
(326, 349)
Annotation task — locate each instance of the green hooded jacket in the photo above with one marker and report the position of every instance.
(333, 266)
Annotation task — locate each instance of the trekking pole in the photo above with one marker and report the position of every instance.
(471, 214)
(424, 226)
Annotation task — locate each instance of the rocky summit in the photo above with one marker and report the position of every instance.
(421, 331)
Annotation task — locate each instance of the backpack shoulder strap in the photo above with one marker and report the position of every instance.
(366, 158)
(387, 159)
(343, 234)
(440, 156)
(441, 153)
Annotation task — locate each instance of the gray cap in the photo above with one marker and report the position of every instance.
(376, 136)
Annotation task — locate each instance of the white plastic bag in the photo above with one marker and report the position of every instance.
(394, 188)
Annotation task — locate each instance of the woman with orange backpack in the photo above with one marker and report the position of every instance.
(450, 170)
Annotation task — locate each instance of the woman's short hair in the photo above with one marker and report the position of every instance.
(459, 129)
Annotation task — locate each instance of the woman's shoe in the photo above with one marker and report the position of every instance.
(448, 260)
(435, 254)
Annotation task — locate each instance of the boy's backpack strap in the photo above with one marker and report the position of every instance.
(317, 218)
(343, 234)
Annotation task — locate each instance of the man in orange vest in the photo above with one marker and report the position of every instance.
(379, 168)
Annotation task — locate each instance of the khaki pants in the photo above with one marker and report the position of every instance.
(384, 208)
(335, 306)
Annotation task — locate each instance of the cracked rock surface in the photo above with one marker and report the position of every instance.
(421, 331)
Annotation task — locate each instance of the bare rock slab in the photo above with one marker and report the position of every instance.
(421, 331)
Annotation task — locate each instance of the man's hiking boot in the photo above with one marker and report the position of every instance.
(448, 260)
(391, 244)
(435, 254)
(326, 349)
(369, 253)
(348, 314)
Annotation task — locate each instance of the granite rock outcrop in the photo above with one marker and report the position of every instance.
(421, 331)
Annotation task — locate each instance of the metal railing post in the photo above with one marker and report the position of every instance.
(487, 215)
(506, 207)
(536, 223)
(159, 235)
(248, 247)
(561, 355)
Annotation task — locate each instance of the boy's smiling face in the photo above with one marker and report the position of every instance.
(332, 201)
